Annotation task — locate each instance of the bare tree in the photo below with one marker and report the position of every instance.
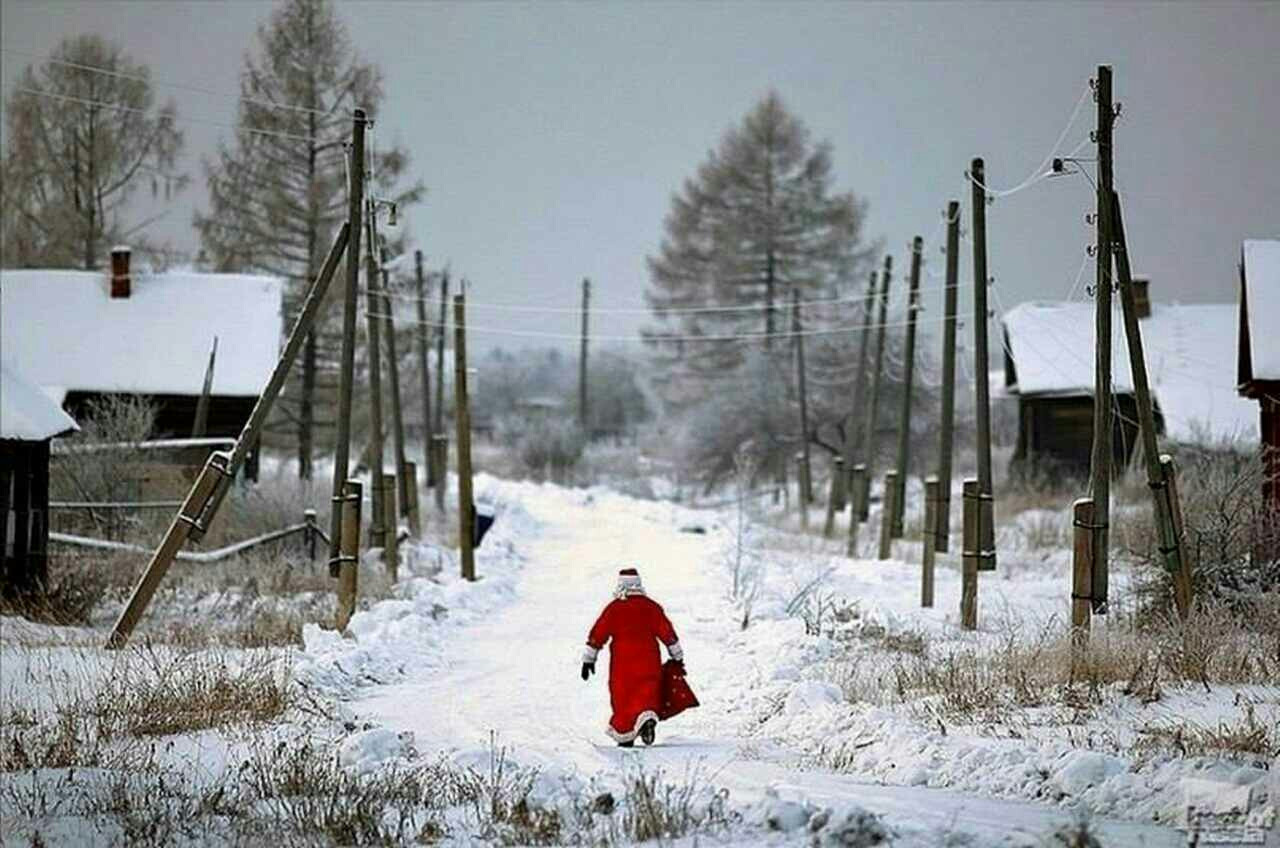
(277, 194)
(83, 132)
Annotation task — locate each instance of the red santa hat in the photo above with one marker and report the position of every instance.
(628, 583)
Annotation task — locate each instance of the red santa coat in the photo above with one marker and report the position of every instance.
(632, 626)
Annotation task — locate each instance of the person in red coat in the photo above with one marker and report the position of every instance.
(632, 625)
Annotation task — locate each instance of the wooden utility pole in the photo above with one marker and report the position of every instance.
(852, 440)
(424, 365)
(929, 547)
(869, 429)
(806, 468)
(397, 413)
(349, 559)
(970, 553)
(1081, 574)
(202, 501)
(1100, 457)
(986, 507)
(887, 509)
(908, 378)
(442, 332)
(833, 496)
(584, 417)
(372, 281)
(462, 420)
(947, 439)
(1170, 542)
(342, 450)
(201, 425)
(857, 496)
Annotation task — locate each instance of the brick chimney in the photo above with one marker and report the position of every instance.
(1142, 296)
(121, 281)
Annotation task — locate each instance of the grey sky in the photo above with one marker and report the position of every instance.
(551, 136)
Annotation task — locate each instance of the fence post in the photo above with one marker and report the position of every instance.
(930, 545)
(835, 495)
(349, 556)
(440, 445)
(1081, 577)
(309, 535)
(969, 545)
(390, 527)
(410, 489)
(887, 510)
(857, 497)
(1183, 589)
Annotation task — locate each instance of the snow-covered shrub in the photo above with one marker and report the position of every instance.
(548, 448)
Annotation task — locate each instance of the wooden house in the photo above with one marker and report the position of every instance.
(81, 335)
(1049, 369)
(29, 419)
(1258, 358)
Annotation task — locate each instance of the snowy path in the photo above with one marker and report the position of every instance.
(516, 675)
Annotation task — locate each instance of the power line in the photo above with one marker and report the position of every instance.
(135, 110)
(1038, 174)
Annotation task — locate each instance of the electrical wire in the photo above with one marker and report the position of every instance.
(1038, 174)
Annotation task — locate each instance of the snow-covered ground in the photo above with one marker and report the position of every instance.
(800, 737)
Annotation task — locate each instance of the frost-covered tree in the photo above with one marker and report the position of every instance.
(758, 222)
(83, 132)
(277, 194)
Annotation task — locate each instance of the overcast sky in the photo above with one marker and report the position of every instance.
(552, 135)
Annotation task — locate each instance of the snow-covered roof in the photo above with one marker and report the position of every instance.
(1190, 353)
(27, 413)
(1261, 281)
(64, 332)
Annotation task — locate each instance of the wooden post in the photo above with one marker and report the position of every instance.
(440, 447)
(201, 425)
(440, 339)
(806, 467)
(1169, 542)
(852, 441)
(411, 490)
(342, 449)
(833, 497)
(1183, 587)
(969, 545)
(873, 404)
(930, 547)
(857, 494)
(393, 373)
(1081, 573)
(801, 503)
(1100, 457)
(584, 418)
(947, 437)
(373, 306)
(908, 377)
(349, 557)
(986, 514)
(424, 367)
(204, 497)
(390, 528)
(310, 535)
(462, 419)
(887, 509)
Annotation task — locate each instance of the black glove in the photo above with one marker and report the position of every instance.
(588, 669)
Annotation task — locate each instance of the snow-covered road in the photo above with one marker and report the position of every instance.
(514, 674)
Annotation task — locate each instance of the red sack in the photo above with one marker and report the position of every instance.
(676, 694)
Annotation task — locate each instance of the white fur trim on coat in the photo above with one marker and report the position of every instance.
(629, 736)
(590, 654)
(628, 584)
(675, 652)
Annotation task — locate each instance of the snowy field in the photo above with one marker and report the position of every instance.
(835, 710)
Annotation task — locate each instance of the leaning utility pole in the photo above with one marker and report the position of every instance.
(397, 416)
(584, 419)
(1100, 458)
(908, 377)
(462, 421)
(869, 430)
(851, 440)
(342, 451)
(986, 549)
(377, 538)
(424, 365)
(942, 531)
(806, 469)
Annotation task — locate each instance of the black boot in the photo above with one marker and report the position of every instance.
(647, 731)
